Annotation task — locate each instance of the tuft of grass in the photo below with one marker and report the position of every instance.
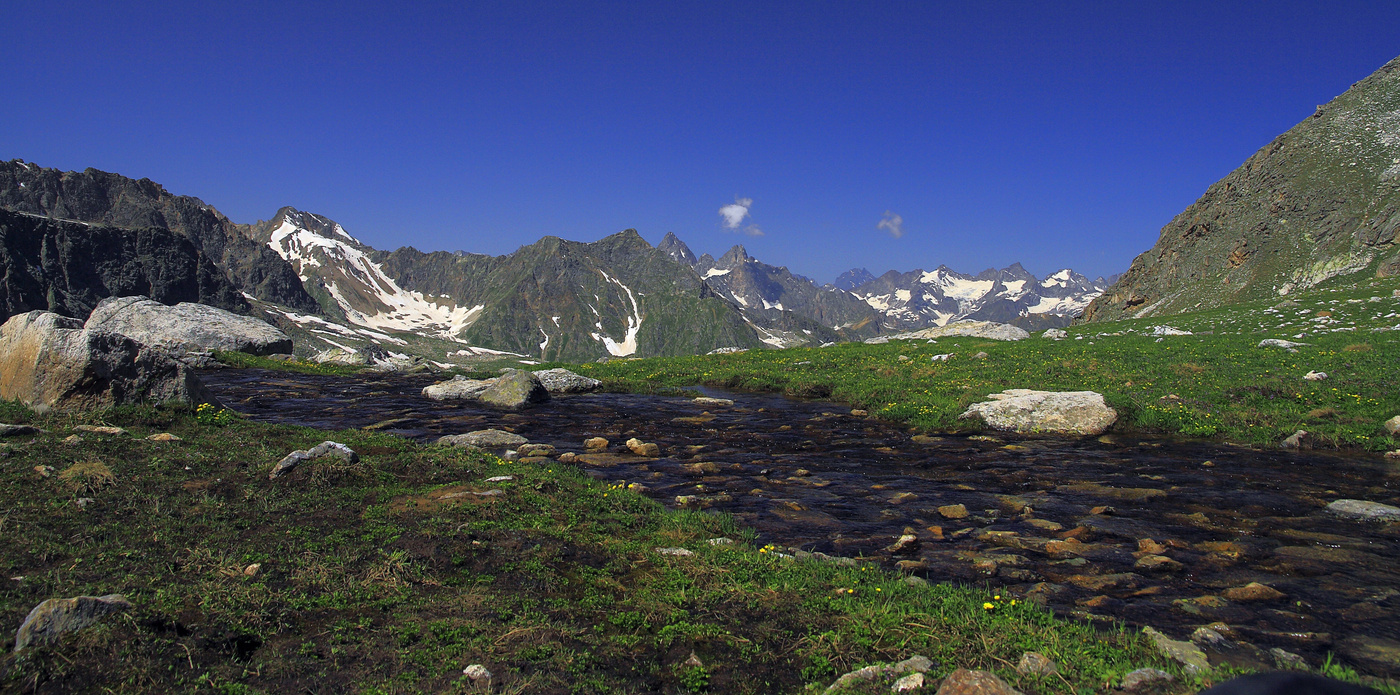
(88, 476)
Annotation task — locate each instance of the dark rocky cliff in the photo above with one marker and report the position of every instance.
(113, 200)
(68, 267)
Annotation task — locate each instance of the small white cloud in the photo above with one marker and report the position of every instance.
(753, 230)
(892, 223)
(735, 213)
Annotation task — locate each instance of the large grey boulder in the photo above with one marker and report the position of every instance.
(51, 360)
(1046, 412)
(56, 616)
(188, 326)
(561, 380)
(515, 390)
(968, 329)
(457, 388)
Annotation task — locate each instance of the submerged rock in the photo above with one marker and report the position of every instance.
(1049, 412)
(1366, 511)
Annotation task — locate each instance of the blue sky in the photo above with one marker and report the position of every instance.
(1054, 134)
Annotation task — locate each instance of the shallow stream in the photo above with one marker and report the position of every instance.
(1075, 522)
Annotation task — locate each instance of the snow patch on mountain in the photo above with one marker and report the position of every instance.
(364, 292)
(628, 345)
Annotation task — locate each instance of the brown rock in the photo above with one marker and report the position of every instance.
(568, 457)
(701, 468)
(1106, 582)
(1045, 524)
(936, 532)
(1159, 563)
(1065, 548)
(164, 437)
(965, 682)
(902, 497)
(642, 448)
(1124, 494)
(1151, 547)
(1201, 605)
(1099, 601)
(953, 511)
(1078, 533)
(1253, 591)
(595, 443)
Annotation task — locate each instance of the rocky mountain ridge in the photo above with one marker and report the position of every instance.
(113, 200)
(554, 299)
(1321, 201)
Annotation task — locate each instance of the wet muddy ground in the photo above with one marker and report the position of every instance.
(1150, 531)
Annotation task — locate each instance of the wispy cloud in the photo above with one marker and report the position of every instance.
(752, 230)
(892, 223)
(735, 213)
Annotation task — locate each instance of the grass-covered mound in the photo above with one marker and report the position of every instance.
(370, 581)
(1216, 382)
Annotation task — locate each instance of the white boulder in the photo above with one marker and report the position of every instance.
(1046, 412)
(188, 326)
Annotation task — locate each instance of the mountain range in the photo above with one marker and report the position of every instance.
(554, 299)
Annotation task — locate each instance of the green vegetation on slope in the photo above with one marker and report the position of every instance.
(371, 581)
(1215, 383)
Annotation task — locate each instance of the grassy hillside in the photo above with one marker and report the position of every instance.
(1215, 383)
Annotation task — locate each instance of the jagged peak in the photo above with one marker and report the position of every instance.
(736, 255)
(672, 246)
